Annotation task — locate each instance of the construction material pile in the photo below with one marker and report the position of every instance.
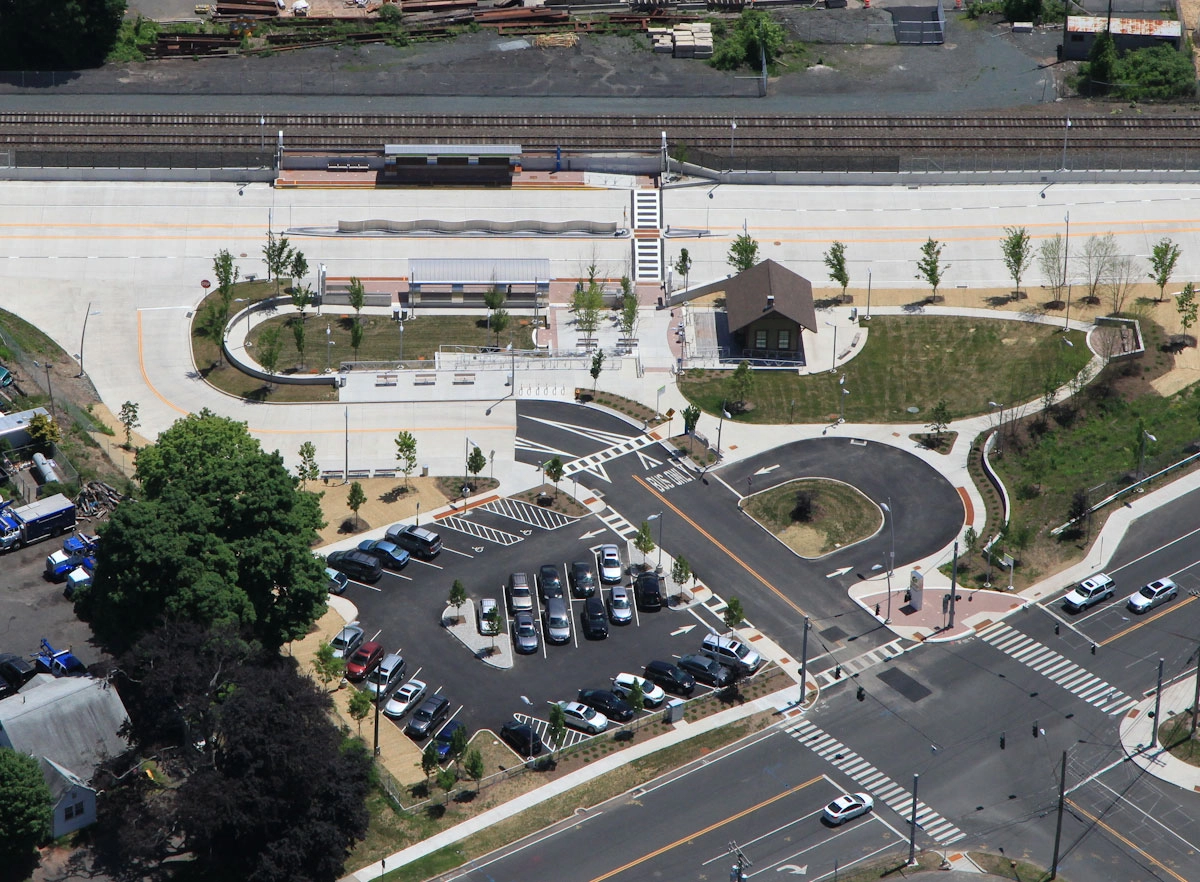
(688, 40)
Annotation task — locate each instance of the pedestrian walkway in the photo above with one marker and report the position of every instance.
(879, 785)
(1045, 661)
(1137, 732)
(860, 663)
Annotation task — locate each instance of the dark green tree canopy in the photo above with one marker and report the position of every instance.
(25, 820)
(62, 35)
(221, 536)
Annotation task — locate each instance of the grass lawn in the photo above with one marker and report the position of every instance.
(910, 361)
(839, 515)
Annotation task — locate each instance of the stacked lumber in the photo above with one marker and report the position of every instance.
(662, 40)
(419, 6)
(556, 41)
(538, 15)
(248, 9)
(687, 40)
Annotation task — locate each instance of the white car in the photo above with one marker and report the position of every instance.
(405, 699)
(489, 617)
(652, 694)
(847, 807)
(580, 716)
(610, 564)
(1089, 592)
(1150, 596)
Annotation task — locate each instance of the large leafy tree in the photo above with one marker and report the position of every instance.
(220, 536)
(63, 35)
(25, 820)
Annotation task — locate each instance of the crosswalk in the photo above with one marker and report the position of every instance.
(1045, 661)
(860, 663)
(875, 782)
(534, 515)
(594, 463)
(617, 524)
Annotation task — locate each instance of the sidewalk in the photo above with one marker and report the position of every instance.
(1137, 729)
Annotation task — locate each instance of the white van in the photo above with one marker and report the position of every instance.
(732, 653)
(387, 676)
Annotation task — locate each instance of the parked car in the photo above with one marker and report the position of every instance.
(847, 807)
(336, 581)
(489, 617)
(390, 555)
(580, 716)
(648, 591)
(417, 541)
(521, 738)
(426, 717)
(583, 580)
(520, 595)
(387, 676)
(444, 740)
(608, 703)
(620, 610)
(1150, 596)
(1089, 592)
(405, 699)
(15, 671)
(347, 641)
(610, 565)
(669, 677)
(549, 582)
(525, 633)
(365, 660)
(593, 619)
(358, 565)
(652, 694)
(707, 670)
(558, 621)
(731, 653)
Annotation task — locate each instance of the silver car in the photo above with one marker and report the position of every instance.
(347, 641)
(620, 610)
(525, 633)
(405, 699)
(610, 564)
(1150, 596)
(558, 621)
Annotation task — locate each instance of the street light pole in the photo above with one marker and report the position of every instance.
(887, 506)
(842, 400)
(1066, 131)
(82, 337)
(1141, 455)
(401, 343)
(867, 317)
(1066, 280)
(999, 426)
(732, 129)
(833, 360)
(720, 427)
(659, 518)
(804, 663)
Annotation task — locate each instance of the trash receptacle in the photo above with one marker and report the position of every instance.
(674, 711)
(424, 471)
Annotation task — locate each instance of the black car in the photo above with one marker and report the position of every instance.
(670, 678)
(647, 592)
(608, 703)
(431, 712)
(358, 565)
(15, 671)
(521, 738)
(583, 580)
(549, 582)
(707, 670)
(593, 619)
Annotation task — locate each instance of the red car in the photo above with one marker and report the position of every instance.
(365, 660)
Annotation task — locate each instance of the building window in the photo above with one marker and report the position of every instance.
(784, 340)
(760, 339)
(69, 813)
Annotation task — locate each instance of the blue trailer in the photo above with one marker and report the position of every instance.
(37, 520)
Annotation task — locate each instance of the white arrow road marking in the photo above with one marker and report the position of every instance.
(591, 534)
(683, 630)
(648, 462)
(837, 573)
(767, 470)
(793, 869)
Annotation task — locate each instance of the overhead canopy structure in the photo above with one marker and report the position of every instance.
(479, 271)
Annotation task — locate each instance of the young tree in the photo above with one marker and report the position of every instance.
(597, 367)
(741, 385)
(430, 761)
(970, 540)
(227, 273)
(473, 765)
(556, 730)
(446, 779)
(277, 255)
(1100, 70)
(307, 470)
(1122, 276)
(25, 821)
(360, 705)
(457, 598)
(43, 430)
(835, 261)
(1018, 254)
(743, 253)
(476, 462)
(128, 418)
(356, 337)
(691, 416)
(1185, 302)
(644, 542)
(734, 614)
(636, 699)
(1052, 260)
(357, 296)
(328, 667)
(939, 419)
(683, 266)
(355, 500)
(298, 337)
(301, 295)
(500, 321)
(681, 572)
(930, 267)
(629, 309)
(458, 744)
(1099, 252)
(1163, 258)
(269, 347)
(493, 299)
(406, 453)
(299, 265)
(587, 303)
(554, 471)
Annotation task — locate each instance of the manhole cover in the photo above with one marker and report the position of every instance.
(914, 409)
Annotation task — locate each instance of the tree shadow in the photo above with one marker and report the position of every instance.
(395, 494)
(259, 395)
(995, 301)
(17, 867)
(465, 796)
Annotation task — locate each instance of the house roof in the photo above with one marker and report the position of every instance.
(73, 721)
(747, 296)
(59, 779)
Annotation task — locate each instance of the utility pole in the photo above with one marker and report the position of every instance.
(912, 826)
(804, 664)
(1196, 699)
(737, 873)
(953, 586)
(1062, 798)
(1157, 707)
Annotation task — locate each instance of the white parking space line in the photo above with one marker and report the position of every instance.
(377, 633)
(426, 563)
(456, 551)
(365, 585)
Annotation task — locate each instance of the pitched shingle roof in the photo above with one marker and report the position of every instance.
(747, 296)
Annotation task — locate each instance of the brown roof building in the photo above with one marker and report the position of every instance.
(768, 306)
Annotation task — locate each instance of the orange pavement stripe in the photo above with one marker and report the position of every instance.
(1095, 820)
(966, 501)
(749, 569)
(466, 507)
(1147, 621)
(146, 376)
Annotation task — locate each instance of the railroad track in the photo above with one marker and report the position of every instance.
(879, 135)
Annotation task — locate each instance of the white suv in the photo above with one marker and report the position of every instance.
(1090, 592)
(731, 653)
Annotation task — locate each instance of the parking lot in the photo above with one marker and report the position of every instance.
(404, 611)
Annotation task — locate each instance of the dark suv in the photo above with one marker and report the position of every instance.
(417, 541)
(431, 712)
(549, 582)
(593, 619)
(583, 580)
(358, 565)
(670, 678)
(647, 591)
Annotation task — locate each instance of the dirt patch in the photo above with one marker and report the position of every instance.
(814, 516)
(805, 540)
(387, 502)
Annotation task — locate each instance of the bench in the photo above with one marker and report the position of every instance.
(360, 473)
(385, 379)
(464, 379)
(425, 380)
(328, 476)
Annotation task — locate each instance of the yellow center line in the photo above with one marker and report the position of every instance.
(749, 569)
(709, 829)
(1095, 820)
(1144, 622)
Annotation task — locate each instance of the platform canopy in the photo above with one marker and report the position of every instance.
(479, 271)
